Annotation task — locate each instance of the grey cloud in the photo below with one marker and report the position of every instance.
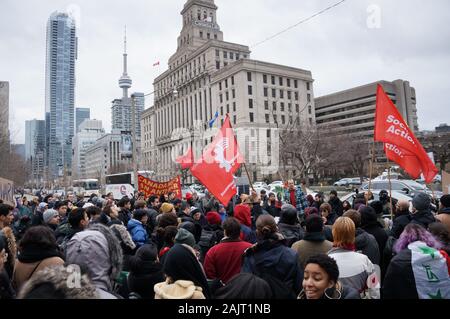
(337, 47)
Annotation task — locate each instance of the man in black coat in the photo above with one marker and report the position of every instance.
(336, 204)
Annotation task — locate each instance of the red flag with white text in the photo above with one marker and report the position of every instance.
(391, 128)
(221, 159)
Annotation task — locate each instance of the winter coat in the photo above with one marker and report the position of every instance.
(300, 199)
(399, 223)
(97, 250)
(224, 260)
(143, 281)
(138, 232)
(124, 216)
(444, 217)
(9, 242)
(291, 233)
(23, 271)
(357, 271)
(380, 234)
(180, 289)
(336, 206)
(272, 256)
(151, 223)
(423, 218)
(273, 209)
(311, 244)
(367, 244)
(339, 292)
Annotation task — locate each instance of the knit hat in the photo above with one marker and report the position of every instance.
(188, 196)
(194, 210)
(185, 237)
(445, 200)
(213, 218)
(42, 206)
(49, 214)
(166, 208)
(421, 201)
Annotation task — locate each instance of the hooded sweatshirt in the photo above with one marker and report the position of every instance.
(99, 251)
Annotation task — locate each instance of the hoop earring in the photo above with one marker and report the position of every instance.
(340, 294)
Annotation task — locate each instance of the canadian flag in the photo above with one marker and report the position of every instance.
(400, 143)
(186, 161)
(218, 164)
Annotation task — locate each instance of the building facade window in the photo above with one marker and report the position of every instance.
(251, 117)
(266, 93)
(225, 54)
(281, 94)
(234, 106)
(265, 78)
(267, 118)
(297, 108)
(233, 93)
(232, 80)
(273, 79)
(282, 106)
(289, 95)
(308, 86)
(296, 96)
(274, 106)
(281, 81)
(250, 103)
(308, 97)
(296, 84)
(250, 90)
(274, 93)
(217, 65)
(288, 82)
(249, 76)
(266, 105)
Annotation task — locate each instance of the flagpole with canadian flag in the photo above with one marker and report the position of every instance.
(400, 144)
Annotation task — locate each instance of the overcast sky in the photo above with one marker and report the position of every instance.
(340, 47)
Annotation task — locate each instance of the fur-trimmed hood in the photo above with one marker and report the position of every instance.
(98, 250)
(59, 276)
(10, 243)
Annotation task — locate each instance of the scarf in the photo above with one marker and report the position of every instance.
(314, 236)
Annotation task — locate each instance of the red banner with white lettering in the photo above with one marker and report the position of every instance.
(219, 162)
(149, 187)
(402, 145)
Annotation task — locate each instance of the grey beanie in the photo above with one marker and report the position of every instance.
(421, 201)
(184, 236)
(48, 215)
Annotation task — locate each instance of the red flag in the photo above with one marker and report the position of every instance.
(391, 128)
(218, 164)
(186, 161)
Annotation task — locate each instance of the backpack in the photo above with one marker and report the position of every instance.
(208, 239)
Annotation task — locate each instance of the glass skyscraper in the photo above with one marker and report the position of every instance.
(81, 114)
(60, 92)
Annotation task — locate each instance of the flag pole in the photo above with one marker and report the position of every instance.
(372, 159)
(249, 179)
(390, 191)
(245, 166)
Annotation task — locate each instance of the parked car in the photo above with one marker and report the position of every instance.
(342, 182)
(348, 182)
(408, 187)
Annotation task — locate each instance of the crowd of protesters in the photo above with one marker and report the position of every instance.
(266, 246)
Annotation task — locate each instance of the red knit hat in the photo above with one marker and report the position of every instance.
(188, 196)
(213, 218)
